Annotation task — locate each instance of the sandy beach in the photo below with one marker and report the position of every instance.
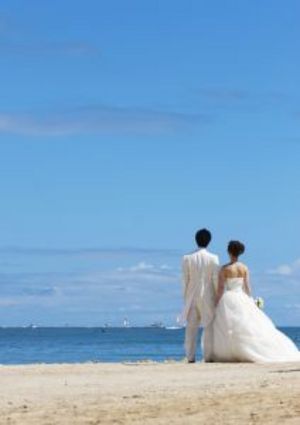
(150, 393)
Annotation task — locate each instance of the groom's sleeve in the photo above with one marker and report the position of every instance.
(185, 275)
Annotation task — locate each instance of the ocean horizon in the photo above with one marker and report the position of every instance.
(33, 344)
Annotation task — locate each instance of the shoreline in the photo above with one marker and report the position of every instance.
(150, 393)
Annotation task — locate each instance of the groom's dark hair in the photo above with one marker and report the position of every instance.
(203, 237)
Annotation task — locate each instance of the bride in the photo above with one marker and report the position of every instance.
(241, 332)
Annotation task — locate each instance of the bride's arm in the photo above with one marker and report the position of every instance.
(220, 289)
(247, 286)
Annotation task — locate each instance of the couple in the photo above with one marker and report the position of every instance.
(219, 299)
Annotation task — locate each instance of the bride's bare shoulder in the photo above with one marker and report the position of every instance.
(242, 266)
(225, 268)
(234, 270)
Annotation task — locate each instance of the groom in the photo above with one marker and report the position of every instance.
(200, 279)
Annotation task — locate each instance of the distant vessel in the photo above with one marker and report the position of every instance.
(31, 326)
(126, 323)
(157, 325)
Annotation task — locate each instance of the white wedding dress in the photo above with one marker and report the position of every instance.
(241, 332)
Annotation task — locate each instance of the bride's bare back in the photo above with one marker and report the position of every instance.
(237, 269)
(233, 270)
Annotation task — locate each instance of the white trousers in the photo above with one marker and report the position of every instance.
(191, 333)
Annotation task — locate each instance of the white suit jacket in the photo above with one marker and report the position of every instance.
(200, 280)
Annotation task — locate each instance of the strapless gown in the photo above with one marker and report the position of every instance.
(241, 332)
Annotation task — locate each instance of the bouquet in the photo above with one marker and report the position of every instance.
(259, 302)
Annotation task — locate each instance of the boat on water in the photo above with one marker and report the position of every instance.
(31, 326)
(126, 323)
(157, 325)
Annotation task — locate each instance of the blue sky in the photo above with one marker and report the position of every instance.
(124, 127)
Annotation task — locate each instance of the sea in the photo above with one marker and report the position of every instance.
(107, 344)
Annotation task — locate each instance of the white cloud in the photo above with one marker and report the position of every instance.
(9, 302)
(143, 272)
(102, 120)
(144, 290)
(283, 270)
(86, 252)
(230, 98)
(143, 266)
(141, 290)
(293, 306)
(87, 286)
(222, 93)
(78, 48)
(280, 288)
(292, 269)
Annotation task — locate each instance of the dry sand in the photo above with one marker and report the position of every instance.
(150, 393)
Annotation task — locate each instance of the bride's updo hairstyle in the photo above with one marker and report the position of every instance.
(236, 248)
